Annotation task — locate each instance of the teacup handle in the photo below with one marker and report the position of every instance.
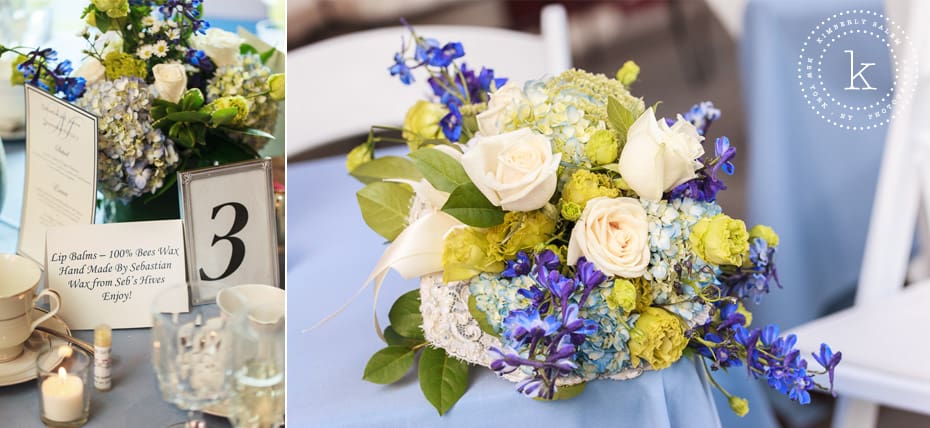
(54, 303)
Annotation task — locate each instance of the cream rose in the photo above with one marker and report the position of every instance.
(221, 46)
(503, 104)
(515, 170)
(91, 70)
(656, 157)
(612, 233)
(170, 81)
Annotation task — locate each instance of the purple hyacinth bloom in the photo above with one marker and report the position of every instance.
(729, 316)
(523, 324)
(400, 69)
(588, 274)
(548, 259)
(725, 154)
(486, 79)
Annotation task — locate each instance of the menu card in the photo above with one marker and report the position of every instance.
(61, 169)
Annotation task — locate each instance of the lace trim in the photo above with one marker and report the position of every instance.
(448, 325)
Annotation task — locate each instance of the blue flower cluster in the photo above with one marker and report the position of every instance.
(452, 84)
(185, 11)
(707, 184)
(753, 281)
(39, 69)
(542, 338)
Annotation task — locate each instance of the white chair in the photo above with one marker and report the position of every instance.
(348, 81)
(884, 336)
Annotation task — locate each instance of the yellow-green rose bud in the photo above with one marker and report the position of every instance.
(119, 64)
(739, 405)
(422, 123)
(720, 240)
(16, 76)
(362, 153)
(622, 295)
(276, 83)
(240, 103)
(113, 8)
(602, 148)
(571, 211)
(628, 73)
(764, 232)
(91, 19)
(466, 253)
(658, 338)
(583, 186)
(519, 231)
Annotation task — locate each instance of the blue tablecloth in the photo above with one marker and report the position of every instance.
(331, 252)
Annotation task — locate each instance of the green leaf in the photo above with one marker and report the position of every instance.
(385, 207)
(265, 56)
(251, 131)
(245, 49)
(102, 21)
(188, 116)
(471, 207)
(480, 317)
(405, 315)
(386, 167)
(619, 117)
(566, 392)
(192, 99)
(441, 170)
(223, 116)
(443, 379)
(395, 339)
(389, 365)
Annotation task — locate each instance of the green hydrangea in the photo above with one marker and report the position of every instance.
(120, 64)
(249, 78)
(583, 186)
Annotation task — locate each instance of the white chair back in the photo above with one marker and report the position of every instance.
(346, 87)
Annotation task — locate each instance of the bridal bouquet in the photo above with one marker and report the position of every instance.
(564, 232)
(170, 92)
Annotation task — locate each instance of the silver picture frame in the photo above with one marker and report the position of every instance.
(229, 220)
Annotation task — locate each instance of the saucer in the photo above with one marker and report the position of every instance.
(23, 368)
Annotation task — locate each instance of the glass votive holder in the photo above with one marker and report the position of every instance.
(65, 386)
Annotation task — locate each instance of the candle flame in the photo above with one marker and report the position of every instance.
(62, 373)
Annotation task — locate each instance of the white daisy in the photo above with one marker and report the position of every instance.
(161, 49)
(145, 52)
(173, 34)
(148, 21)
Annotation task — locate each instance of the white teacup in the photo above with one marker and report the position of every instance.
(266, 303)
(19, 279)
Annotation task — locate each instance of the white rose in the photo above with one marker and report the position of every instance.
(221, 46)
(503, 104)
(656, 157)
(91, 70)
(612, 233)
(515, 170)
(170, 81)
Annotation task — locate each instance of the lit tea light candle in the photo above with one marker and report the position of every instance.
(63, 397)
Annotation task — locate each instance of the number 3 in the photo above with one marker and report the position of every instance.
(238, 247)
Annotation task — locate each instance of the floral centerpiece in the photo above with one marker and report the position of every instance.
(563, 233)
(170, 94)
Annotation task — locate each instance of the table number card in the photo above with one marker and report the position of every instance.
(61, 169)
(229, 224)
(109, 273)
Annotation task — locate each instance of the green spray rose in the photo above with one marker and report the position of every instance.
(658, 338)
(720, 240)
